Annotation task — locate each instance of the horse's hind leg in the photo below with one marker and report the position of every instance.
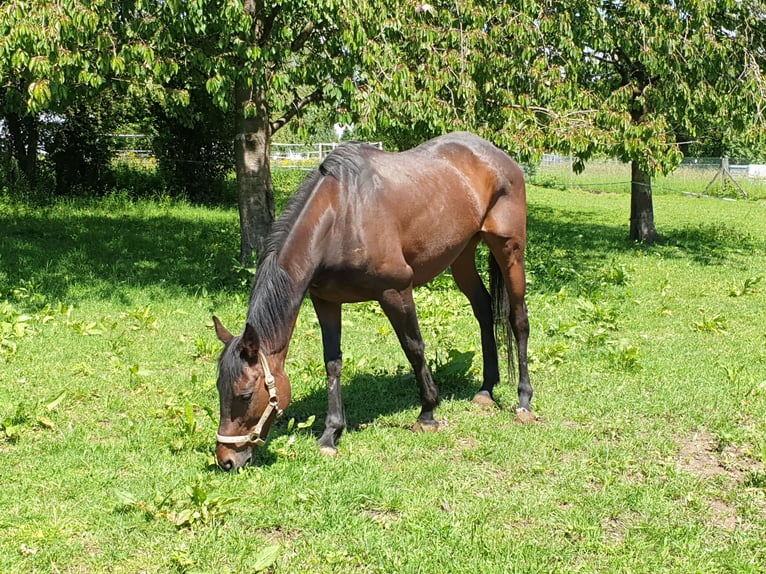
(509, 254)
(328, 314)
(399, 307)
(468, 281)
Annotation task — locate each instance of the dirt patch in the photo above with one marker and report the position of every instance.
(723, 515)
(614, 529)
(701, 455)
(383, 518)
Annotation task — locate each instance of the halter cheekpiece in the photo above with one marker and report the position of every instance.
(256, 437)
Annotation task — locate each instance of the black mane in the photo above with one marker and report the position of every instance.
(270, 300)
(348, 160)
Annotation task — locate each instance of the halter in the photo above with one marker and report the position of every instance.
(256, 437)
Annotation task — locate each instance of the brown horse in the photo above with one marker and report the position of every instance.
(371, 225)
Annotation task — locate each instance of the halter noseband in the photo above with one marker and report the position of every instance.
(256, 437)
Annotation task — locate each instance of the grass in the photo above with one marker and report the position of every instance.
(648, 366)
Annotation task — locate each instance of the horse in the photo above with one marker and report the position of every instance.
(370, 225)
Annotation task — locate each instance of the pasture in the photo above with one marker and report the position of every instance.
(648, 364)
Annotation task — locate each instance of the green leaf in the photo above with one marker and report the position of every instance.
(186, 516)
(125, 498)
(266, 558)
(56, 402)
(309, 422)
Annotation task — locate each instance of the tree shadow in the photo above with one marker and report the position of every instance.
(58, 251)
(709, 243)
(570, 250)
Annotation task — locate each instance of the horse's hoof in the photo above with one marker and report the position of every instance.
(329, 451)
(484, 400)
(524, 416)
(429, 426)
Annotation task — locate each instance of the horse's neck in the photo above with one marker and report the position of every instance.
(303, 249)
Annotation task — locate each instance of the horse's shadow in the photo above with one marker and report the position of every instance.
(368, 397)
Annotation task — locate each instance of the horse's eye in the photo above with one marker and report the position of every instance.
(246, 397)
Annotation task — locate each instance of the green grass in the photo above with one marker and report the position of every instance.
(647, 362)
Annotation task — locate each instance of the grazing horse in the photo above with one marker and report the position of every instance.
(372, 225)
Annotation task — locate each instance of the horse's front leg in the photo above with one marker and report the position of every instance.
(399, 307)
(328, 314)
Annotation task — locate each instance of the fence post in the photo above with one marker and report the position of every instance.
(724, 173)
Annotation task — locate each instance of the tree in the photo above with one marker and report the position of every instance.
(617, 77)
(267, 62)
(684, 66)
(57, 57)
(624, 78)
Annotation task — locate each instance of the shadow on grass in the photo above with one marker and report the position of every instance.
(572, 251)
(100, 252)
(709, 243)
(369, 396)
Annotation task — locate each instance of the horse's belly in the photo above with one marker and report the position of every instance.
(352, 286)
(424, 269)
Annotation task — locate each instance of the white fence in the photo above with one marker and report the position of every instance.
(294, 156)
(304, 156)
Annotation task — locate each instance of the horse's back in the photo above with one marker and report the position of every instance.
(408, 215)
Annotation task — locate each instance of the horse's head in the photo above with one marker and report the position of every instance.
(252, 392)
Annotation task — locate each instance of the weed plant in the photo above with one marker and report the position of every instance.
(647, 362)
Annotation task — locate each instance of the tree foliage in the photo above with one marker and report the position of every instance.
(73, 59)
(631, 79)
(624, 78)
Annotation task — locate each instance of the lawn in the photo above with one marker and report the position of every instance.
(649, 366)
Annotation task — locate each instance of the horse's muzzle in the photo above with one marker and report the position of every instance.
(233, 458)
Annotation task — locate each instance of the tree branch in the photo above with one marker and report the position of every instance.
(262, 25)
(296, 108)
(303, 37)
(267, 25)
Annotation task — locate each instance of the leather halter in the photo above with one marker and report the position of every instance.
(256, 438)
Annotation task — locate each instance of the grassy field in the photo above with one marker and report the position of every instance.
(649, 366)
(692, 178)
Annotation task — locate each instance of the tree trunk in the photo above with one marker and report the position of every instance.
(641, 208)
(25, 138)
(256, 195)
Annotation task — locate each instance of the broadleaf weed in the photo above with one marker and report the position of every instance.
(748, 287)
(710, 323)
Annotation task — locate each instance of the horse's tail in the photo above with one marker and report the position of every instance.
(501, 313)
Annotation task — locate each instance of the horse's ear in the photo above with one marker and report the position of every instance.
(221, 332)
(250, 343)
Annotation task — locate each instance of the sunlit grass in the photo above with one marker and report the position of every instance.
(612, 176)
(647, 362)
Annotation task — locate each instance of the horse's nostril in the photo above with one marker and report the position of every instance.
(226, 464)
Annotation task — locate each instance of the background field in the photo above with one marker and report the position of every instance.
(648, 365)
(694, 176)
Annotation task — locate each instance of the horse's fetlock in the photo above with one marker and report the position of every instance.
(334, 368)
